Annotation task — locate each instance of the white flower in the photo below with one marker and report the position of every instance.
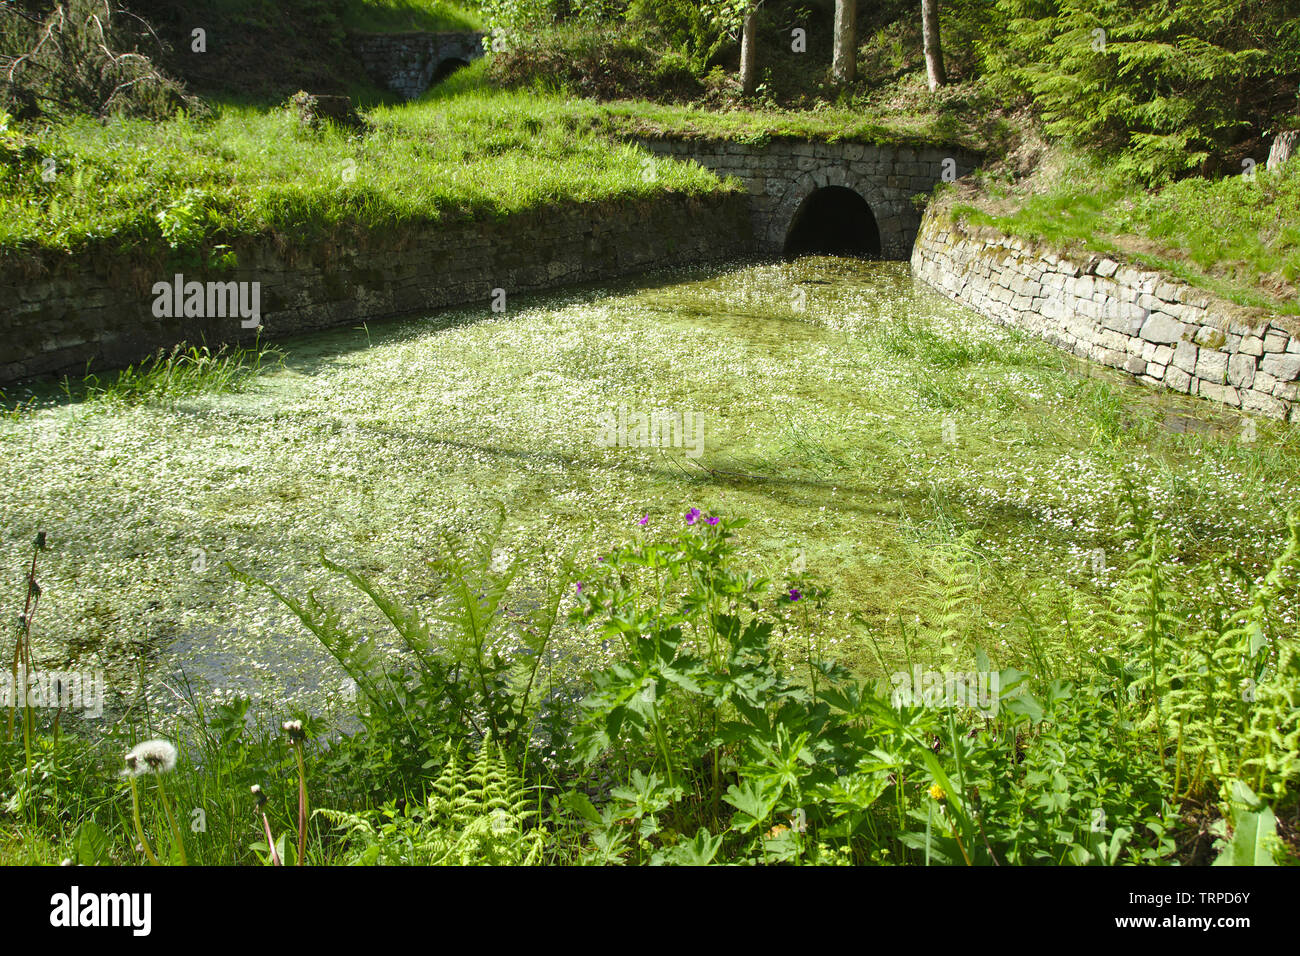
(152, 756)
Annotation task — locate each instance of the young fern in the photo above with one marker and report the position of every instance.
(955, 591)
(1271, 743)
(460, 646)
(1225, 696)
(359, 658)
(476, 814)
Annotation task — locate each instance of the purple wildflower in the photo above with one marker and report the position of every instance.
(692, 516)
(579, 587)
(712, 519)
(795, 594)
(644, 519)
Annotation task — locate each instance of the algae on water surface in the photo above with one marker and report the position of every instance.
(872, 431)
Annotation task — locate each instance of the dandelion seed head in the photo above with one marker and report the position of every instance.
(152, 756)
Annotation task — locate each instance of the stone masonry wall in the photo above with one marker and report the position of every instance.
(61, 313)
(1162, 331)
(406, 62)
(781, 174)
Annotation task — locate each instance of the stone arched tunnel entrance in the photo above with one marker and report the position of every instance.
(833, 210)
(446, 68)
(846, 198)
(409, 63)
(833, 221)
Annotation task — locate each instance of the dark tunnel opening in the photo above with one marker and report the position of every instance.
(833, 221)
(447, 67)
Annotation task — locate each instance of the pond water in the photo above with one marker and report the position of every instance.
(873, 433)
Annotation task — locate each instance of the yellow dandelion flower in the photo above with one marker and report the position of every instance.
(937, 792)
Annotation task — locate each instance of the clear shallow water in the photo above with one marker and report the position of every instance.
(868, 428)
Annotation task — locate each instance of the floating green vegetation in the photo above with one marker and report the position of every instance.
(880, 440)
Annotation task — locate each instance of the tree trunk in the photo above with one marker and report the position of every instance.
(933, 50)
(1282, 148)
(844, 63)
(748, 44)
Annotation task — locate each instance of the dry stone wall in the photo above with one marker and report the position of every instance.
(61, 313)
(1149, 324)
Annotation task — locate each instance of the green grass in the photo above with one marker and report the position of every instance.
(397, 16)
(623, 68)
(184, 372)
(1235, 237)
(466, 152)
(758, 125)
(367, 16)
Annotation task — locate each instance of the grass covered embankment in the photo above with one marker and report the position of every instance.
(1238, 236)
(644, 89)
(466, 152)
(398, 16)
(272, 48)
(759, 125)
(511, 133)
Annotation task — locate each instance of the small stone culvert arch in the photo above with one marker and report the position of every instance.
(833, 221)
(883, 230)
(446, 68)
